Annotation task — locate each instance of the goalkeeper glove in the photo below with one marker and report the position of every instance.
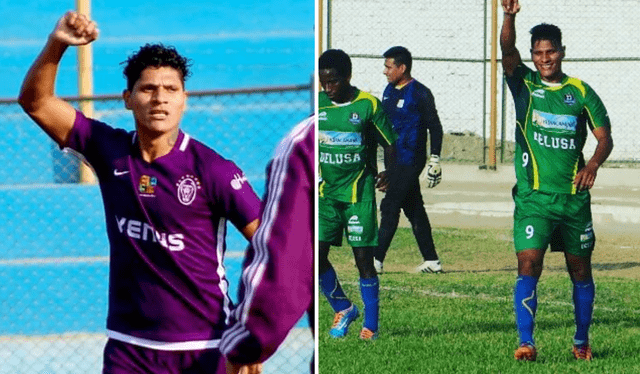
(434, 171)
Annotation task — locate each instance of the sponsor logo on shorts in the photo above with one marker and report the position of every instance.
(588, 233)
(353, 229)
(354, 220)
(188, 185)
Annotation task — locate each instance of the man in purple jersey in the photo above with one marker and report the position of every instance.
(167, 198)
(277, 282)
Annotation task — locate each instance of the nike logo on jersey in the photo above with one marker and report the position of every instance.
(118, 173)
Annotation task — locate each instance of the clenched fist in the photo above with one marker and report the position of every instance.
(75, 29)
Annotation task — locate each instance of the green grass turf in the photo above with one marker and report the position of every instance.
(463, 321)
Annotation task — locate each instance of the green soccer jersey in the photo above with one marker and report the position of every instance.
(551, 129)
(348, 137)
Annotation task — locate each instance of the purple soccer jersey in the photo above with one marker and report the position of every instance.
(166, 224)
(277, 280)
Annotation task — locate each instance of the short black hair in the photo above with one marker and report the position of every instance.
(336, 59)
(400, 55)
(156, 55)
(545, 31)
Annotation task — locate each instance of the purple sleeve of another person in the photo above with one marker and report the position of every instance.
(277, 280)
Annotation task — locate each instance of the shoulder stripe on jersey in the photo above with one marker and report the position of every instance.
(578, 84)
(185, 142)
(367, 96)
(253, 273)
(374, 103)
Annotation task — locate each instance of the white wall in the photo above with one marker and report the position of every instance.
(456, 31)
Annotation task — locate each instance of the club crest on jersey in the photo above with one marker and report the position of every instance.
(188, 185)
(354, 118)
(237, 181)
(147, 184)
(569, 99)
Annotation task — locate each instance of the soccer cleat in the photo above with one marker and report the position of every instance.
(582, 353)
(342, 320)
(526, 352)
(366, 334)
(430, 267)
(378, 265)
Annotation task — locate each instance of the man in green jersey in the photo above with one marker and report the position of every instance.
(351, 124)
(552, 201)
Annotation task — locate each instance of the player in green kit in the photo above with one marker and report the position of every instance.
(351, 124)
(554, 114)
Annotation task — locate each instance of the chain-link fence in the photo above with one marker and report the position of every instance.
(54, 256)
(451, 46)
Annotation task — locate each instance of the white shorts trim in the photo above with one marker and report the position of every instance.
(164, 346)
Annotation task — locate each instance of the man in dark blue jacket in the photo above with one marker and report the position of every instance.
(411, 108)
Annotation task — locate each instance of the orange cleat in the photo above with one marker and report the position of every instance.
(526, 352)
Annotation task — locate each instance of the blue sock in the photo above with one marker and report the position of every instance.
(333, 291)
(525, 303)
(370, 290)
(583, 294)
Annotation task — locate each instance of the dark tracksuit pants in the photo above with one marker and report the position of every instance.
(404, 193)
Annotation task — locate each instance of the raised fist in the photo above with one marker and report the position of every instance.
(75, 29)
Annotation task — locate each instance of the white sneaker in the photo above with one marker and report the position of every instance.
(378, 265)
(430, 267)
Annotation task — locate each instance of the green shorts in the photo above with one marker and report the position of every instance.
(561, 220)
(357, 221)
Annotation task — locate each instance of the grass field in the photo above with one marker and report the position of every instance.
(462, 321)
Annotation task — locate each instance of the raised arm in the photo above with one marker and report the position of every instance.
(510, 54)
(54, 115)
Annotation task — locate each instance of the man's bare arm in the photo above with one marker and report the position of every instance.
(250, 229)
(37, 97)
(510, 54)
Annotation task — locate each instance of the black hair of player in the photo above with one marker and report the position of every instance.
(336, 59)
(401, 56)
(545, 31)
(155, 55)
